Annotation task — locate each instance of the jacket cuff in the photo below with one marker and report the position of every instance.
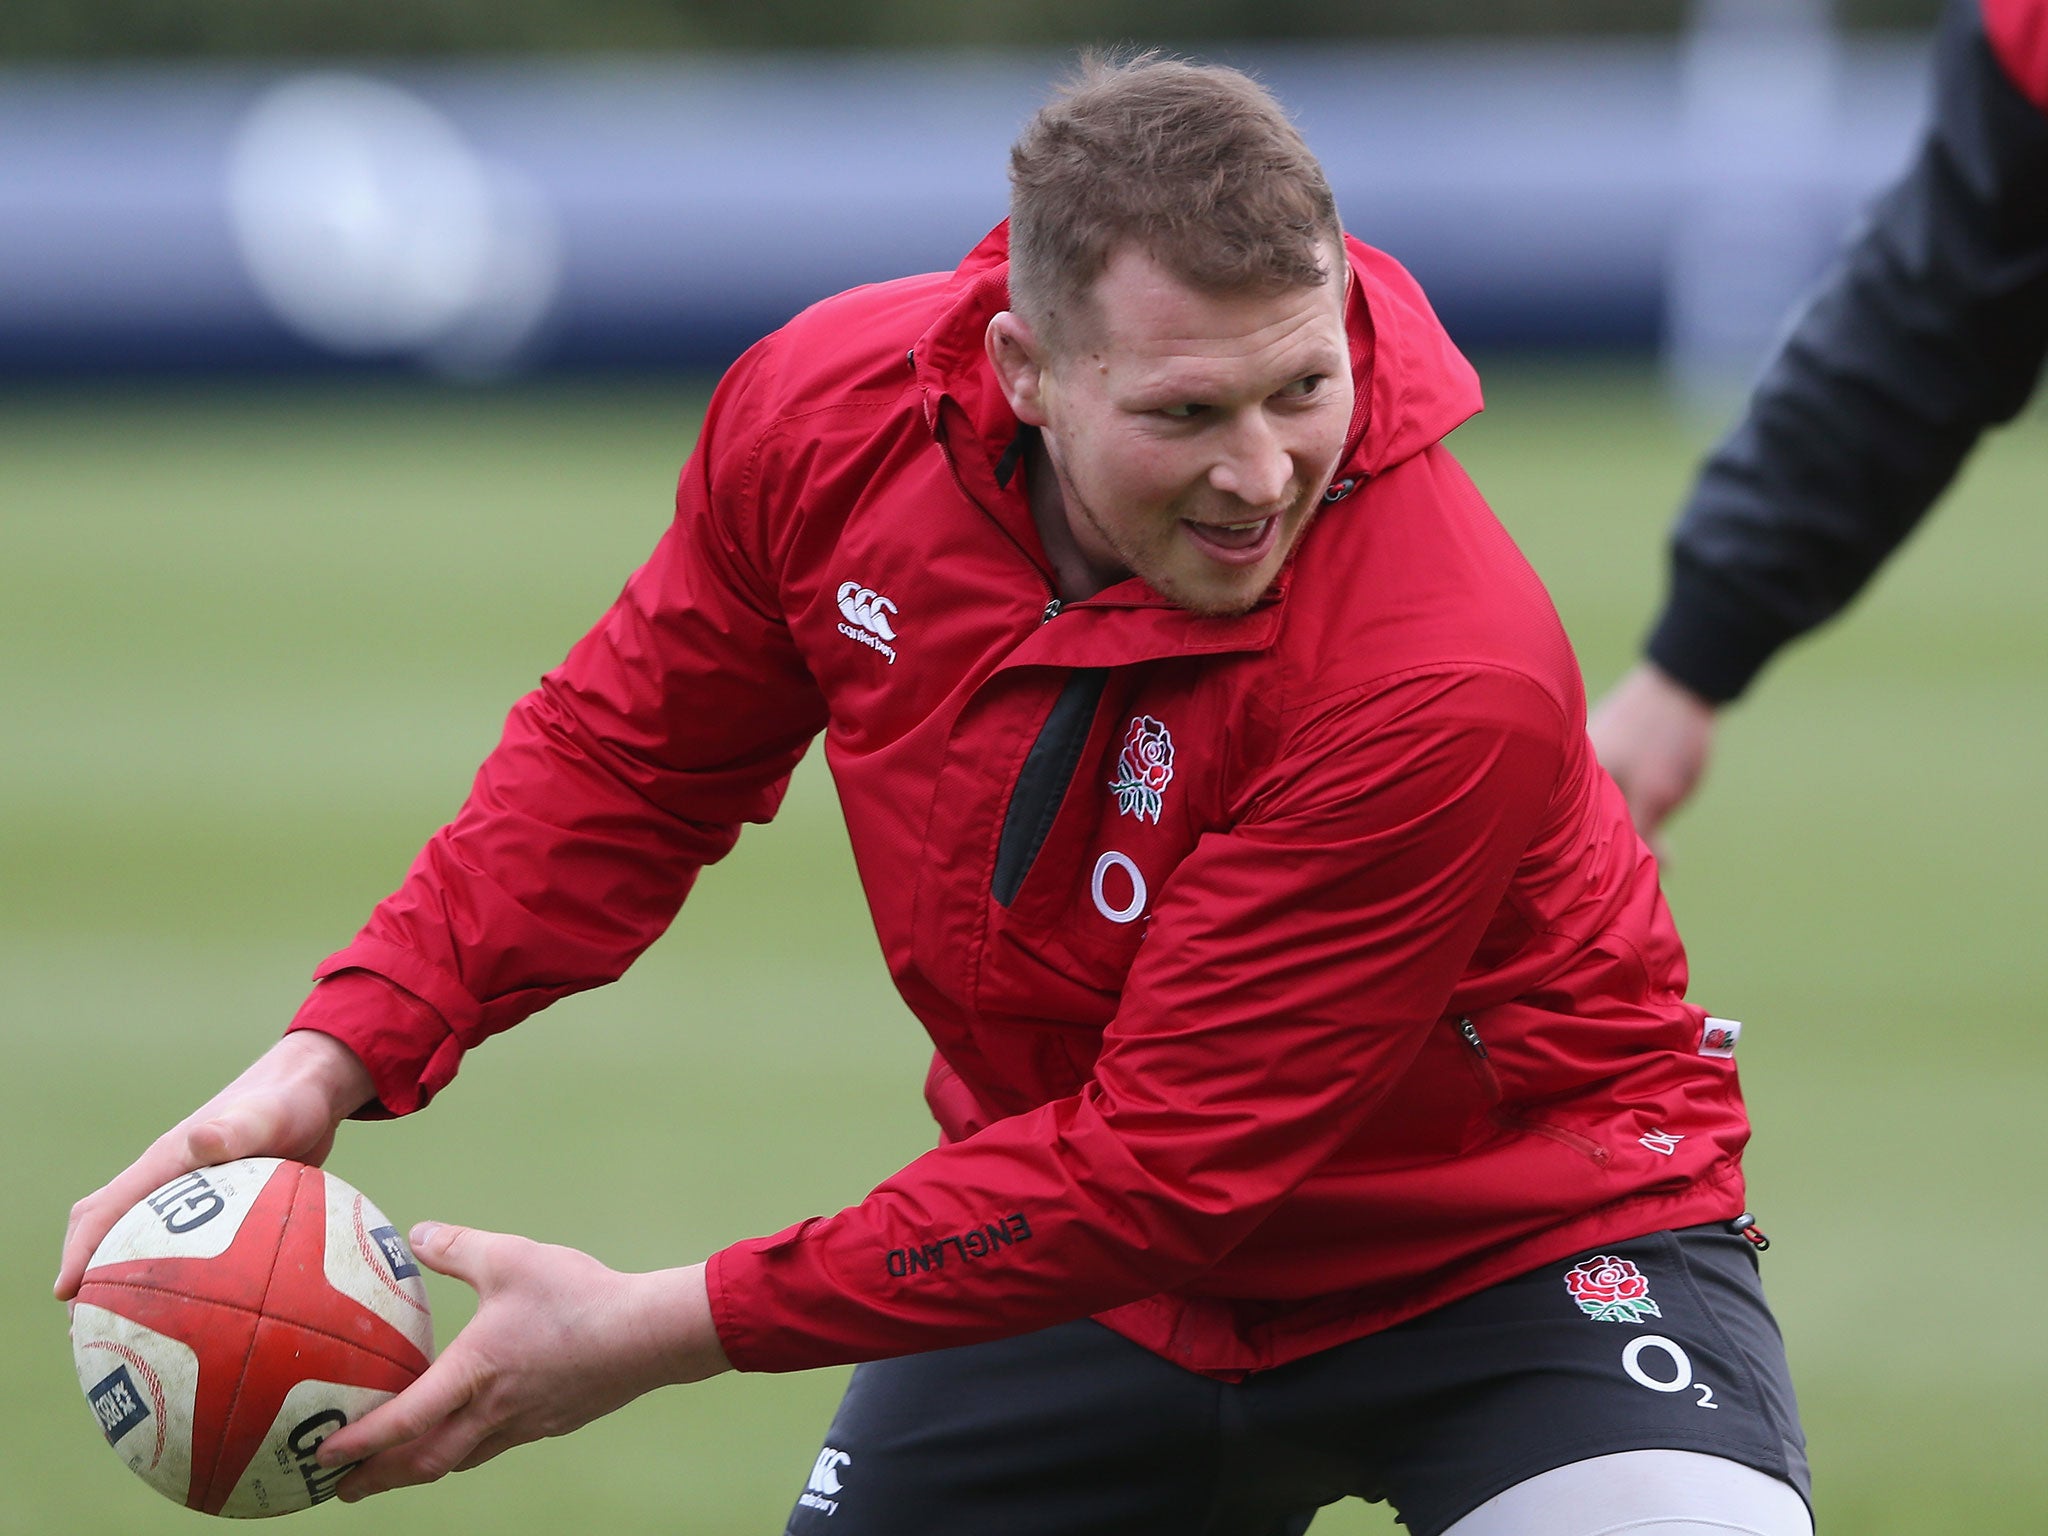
(731, 1335)
(777, 1308)
(408, 1049)
(1709, 638)
(747, 1344)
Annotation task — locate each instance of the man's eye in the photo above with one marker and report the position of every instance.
(1186, 411)
(1303, 387)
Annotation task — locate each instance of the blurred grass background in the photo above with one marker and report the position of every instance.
(253, 640)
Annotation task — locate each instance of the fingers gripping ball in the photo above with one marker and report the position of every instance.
(234, 1319)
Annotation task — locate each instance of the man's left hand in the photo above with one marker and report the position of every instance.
(558, 1340)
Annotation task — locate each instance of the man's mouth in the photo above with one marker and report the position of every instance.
(1243, 543)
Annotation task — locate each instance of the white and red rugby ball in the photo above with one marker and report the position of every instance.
(235, 1318)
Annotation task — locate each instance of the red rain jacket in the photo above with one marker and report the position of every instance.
(1289, 974)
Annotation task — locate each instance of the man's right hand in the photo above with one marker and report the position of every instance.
(1653, 734)
(288, 1104)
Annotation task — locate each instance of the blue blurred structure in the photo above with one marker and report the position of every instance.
(478, 219)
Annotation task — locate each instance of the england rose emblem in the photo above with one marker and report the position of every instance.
(1612, 1290)
(1144, 768)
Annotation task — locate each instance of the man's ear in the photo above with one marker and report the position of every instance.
(1018, 360)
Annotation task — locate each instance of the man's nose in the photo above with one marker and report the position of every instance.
(1255, 466)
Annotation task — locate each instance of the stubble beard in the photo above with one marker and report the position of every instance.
(1154, 564)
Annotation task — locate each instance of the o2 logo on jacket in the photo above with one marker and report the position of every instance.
(1143, 769)
(1118, 906)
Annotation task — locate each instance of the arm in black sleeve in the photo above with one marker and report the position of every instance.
(1931, 328)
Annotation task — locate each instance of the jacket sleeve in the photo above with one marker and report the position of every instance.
(1931, 327)
(678, 718)
(1293, 967)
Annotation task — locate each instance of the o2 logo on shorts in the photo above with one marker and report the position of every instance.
(1668, 1367)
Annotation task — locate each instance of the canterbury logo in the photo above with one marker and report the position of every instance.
(867, 608)
(825, 1471)
(823, 1490)
(867, 619)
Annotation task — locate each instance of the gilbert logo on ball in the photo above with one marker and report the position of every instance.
(234, 1319)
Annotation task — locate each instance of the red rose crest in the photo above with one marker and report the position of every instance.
(1144, 768)
(1611, 1290)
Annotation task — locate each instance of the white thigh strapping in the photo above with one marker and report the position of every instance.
(1644, 1493)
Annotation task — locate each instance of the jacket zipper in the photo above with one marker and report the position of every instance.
(1482, 1059)
(1052, 607)
(1042, 783)
(1585, 1146)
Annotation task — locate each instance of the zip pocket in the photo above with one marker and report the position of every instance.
(1482, 1064)
(1585, 1146)
(1481, 1059)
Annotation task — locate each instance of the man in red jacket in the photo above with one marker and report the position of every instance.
(1320, 1110)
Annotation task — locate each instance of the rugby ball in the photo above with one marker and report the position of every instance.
(235, 1318)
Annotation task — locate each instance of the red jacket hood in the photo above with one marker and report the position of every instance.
(1413, 385)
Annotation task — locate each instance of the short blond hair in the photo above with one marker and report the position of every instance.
(1197, 165)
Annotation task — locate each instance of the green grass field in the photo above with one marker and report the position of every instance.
(253, 641)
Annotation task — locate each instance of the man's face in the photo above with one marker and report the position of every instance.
(1190, 434)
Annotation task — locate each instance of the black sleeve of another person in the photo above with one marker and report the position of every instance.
(1931, 327)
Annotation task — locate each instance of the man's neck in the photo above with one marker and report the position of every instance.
(1074, 575)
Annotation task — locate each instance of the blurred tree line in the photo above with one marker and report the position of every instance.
(115, 29)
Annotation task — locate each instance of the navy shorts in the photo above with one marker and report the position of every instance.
(1661, 1342)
